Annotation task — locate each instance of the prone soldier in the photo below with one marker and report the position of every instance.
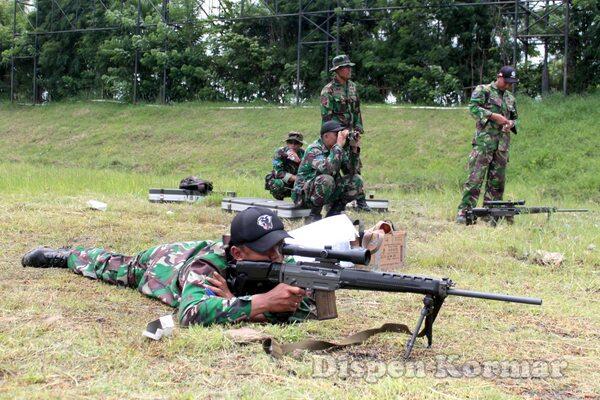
(280, 181)
(193, 276)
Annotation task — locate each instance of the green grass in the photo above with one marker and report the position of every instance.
(62, 336)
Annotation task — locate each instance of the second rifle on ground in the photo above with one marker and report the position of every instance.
(494, 211)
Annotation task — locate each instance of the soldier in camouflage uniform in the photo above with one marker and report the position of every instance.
(192, 276)
(494, 108)
(285, 166)
(340, 102)
(328, 174)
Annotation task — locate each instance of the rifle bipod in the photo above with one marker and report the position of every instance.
(430, 310)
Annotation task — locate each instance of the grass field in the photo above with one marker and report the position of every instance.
(62, 336)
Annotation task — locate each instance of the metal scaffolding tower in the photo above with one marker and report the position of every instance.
(531, 19)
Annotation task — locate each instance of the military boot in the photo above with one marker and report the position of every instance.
(45, 257)
(361, 205)
(336, 209)
(315, 214)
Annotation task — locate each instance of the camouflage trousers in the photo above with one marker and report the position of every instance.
(325, 189)
(159, 281)
(488, 165)
(278, 189)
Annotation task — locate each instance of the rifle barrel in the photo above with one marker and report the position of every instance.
(571, 210)
(494, 296)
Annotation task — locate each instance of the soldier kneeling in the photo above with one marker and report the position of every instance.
(328, 175)
(285, 167)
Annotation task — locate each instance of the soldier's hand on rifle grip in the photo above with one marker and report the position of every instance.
(499, 119)
(507, 127)
(341, 137)
(282, 298)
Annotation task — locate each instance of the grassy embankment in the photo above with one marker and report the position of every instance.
(64, 336)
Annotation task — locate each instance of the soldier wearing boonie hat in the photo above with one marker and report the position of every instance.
(494, 109)
(340, 103)
(280, 181)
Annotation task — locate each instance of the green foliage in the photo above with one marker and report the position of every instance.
(425, 56)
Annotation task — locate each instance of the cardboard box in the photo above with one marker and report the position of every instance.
(391, 254)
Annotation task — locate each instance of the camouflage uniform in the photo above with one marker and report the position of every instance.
(285, 164)
(340, 102)
(319, 180)
(489, 156)
(175, 274)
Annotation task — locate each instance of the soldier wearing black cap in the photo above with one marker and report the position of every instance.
(340, 102)
(285, 166)
(193, 276)
(328, 174)
(494, 108)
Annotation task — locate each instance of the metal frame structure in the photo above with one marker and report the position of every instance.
(526, 15)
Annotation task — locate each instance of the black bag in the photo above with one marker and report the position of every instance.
(196, 184)
(268, 179)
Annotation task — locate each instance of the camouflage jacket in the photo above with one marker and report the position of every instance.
(340, 102)
(488, 99)
(286, 162)
(319, 160)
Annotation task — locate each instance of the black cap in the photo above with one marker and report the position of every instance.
(258, 228)
(509, 74)
(332, 126)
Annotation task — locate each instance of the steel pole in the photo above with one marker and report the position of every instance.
(12, 54)
(163, 97)
(35, 54)
(516, 33)
(137, 52)
(337, 30)
(298, 52)
(566, 55)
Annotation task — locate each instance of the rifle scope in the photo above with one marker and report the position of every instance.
(356, 256)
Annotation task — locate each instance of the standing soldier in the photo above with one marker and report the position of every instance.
(494, 108)
(340, 102)
(280, 181)
(328, 174)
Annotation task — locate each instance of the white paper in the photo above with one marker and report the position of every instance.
(97, 205)
(337, 232)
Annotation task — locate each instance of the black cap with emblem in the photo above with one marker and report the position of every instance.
(258, 228)
(509, 74)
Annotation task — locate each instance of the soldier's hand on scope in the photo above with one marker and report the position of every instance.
(499, 119)
(341, 137)
(282, 298)
(292, 178)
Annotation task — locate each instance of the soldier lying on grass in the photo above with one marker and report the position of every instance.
(192, 276)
